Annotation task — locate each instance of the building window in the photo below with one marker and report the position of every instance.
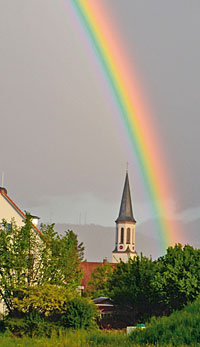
(122, 235)
(133, 238)
(128, 236)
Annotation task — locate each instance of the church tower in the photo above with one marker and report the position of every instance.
(125, 228)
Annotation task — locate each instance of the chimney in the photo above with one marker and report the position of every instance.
(105, 260)
(3, 190)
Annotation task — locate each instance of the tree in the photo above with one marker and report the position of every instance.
(61, 258)
(46, 300)
(130, 287)
(177, 277)
(81, 314)
(28, 259)
(98, 285)
(142, 287)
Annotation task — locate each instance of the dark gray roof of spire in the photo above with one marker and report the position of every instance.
(126, 212)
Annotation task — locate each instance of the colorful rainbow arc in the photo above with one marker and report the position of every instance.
(141, 133)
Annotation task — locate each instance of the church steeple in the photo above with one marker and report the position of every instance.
(126, 211)
(125, 227)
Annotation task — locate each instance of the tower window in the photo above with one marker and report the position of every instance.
(122, 235)
(133, 237)
(128, 236)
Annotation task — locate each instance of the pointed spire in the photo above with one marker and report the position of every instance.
(126, 212)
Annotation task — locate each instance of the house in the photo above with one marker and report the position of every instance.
(9, 210)
(105, 306)
(88, 268)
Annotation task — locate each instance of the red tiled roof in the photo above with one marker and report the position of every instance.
(3, 192)
(88, 268)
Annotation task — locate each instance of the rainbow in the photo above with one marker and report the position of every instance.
(141, 133)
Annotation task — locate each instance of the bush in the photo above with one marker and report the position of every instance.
(81, 314)
(20, 327)
(2, 326)
(181, 328)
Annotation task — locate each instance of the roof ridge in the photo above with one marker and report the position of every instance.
(2, 192)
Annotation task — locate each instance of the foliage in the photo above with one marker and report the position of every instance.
(177, 278)
(81, 314)
(142, 287)
(130, 287)
(181, 328)
(46, 300)
(78, 313)
(62, 257)
(29, 259)
(17, 258)
(78, 338)
(98, 285)
(31, 326)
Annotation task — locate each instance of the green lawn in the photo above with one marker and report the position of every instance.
(72, 339)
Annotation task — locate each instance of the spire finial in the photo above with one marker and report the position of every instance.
(127, 167)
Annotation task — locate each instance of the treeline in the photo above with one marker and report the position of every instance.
(39, 279)
(142, 287)
(40, 274)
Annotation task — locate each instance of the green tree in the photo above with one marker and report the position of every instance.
(131, 289)
(28, 259)
(61, 258)
(81, 314)
(98, 285)
(45, 300)
(177, 277)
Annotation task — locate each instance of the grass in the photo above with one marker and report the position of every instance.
(71, 338)
(78, 339)
(181, 328)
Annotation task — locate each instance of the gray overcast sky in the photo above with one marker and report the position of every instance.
(61, 148)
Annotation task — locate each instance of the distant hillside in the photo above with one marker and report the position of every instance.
(99, 241)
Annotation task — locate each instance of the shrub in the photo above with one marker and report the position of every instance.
(20, 327)
(181, 328)
(2, 327)
(81, 314)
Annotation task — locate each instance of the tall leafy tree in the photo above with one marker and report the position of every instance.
(61, 257)
(29, 259)
(130, 287)
(177, 278)
(142, 287)
(145, 287)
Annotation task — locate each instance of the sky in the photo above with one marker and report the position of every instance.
(63, 151)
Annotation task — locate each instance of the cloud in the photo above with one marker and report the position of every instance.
(189, 215)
